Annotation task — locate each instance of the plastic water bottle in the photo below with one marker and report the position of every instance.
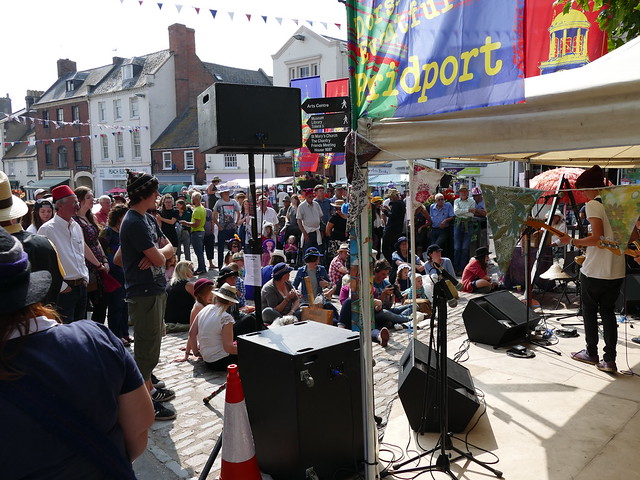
(621, 318)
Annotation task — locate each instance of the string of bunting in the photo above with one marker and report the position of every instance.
(232, 15)
(47, 141)
(59, 124)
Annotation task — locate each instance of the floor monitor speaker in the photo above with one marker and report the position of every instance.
(418, 393)
(249, 118)
(629, 297)
(498, 318)
(303, 395)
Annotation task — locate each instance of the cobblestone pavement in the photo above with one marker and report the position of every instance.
(180, 448)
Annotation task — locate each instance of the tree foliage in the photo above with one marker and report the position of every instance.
(619, 18)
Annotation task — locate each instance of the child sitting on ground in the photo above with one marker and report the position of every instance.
(203, 291)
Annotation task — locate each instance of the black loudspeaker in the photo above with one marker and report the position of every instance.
(497, 319)
(417, 389)
(302, 390)
(629, 297)
(249, 118)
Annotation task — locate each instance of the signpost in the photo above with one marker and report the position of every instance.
(329, 142)
(333, 113)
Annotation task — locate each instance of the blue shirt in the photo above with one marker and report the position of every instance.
(438, 215)
(321, 274)
(325, 205)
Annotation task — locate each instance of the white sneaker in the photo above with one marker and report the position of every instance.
(398, 326)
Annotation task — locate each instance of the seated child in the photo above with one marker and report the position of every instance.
(291, 249)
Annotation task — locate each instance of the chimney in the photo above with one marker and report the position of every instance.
(182, 43)
(66, 66)
(32, 97)
(5, 104)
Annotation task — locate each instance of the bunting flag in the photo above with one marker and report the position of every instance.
(622, 205)
(232, 15)
(425, 181)
(507, 210)
(59, 124)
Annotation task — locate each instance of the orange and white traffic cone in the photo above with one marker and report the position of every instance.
(238, 450)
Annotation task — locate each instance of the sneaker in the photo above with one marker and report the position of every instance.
(583, 356)
(384, 337)
(635, 339)
(425, 323)
(605, 366)
(163, 395)
(162, 412)
(156, 383)
(398, 326)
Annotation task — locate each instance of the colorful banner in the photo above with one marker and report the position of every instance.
(337, 88)
(420, 58)
(425, 181)
(507, 211)
(622, 205)
(310, 87)
(557, 41)
(303, 159)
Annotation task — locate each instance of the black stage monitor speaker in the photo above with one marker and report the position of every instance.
(302, 390)
(249, 118)
(417, 389)
(497, 319)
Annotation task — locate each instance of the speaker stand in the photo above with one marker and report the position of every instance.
(444, 444)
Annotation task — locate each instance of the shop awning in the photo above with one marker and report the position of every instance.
(48, 183)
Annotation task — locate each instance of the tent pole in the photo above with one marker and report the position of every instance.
(412, 249)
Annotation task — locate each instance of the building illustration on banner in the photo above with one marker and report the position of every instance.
(568, 42)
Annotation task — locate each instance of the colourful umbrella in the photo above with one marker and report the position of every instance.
(550, 179)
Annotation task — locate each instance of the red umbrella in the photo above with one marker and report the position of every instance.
(117, 190)
(550, 179)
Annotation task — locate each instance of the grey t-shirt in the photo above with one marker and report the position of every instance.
(137, 234)
(227, 213)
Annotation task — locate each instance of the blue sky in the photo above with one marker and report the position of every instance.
(36, 33)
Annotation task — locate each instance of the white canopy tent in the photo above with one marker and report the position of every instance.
(573, 118)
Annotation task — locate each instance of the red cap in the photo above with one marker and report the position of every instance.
(60, 192)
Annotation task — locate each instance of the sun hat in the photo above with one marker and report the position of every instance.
(343, 246)
(377, 199)
(63, 191)
(237, 256)
(338, 203)
(481, 252)
(39, 191)
(286, 199)
(279, 270)
(433, 248)
(403, 266)
(226, 272)
(312, 252)
(318, 186)
(417, 275)
(216, 179)
(463, 187)
(10, 206)
(278, 253)
(476, 191)
(200, 284)
(399, 241)
(392, 192)
(227, 292)
(19, 286)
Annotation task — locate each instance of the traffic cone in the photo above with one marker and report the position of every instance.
(238, 450)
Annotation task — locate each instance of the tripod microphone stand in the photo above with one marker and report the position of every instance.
(444, 444)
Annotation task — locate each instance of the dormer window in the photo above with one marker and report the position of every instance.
(127, 72)
(218, 77)
(70, 86)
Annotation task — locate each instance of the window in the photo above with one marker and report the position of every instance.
(12, 169)
(135, 143)
(119, 145)
(104, 143)
(31, 167)
(70, 86)
(127, 72)
(45, 119)
(292, 73)
(189, 163)
(303, 71)
(75, 113)
(230, 160)
(77, 152)
(62, 157)
(134, 112)
(102, 112)
(166, 160)
(60, 114)
(47, 154)
(117, 109)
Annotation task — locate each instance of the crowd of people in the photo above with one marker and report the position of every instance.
(129, 263)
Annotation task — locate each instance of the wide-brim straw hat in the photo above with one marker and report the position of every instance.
(10, 206)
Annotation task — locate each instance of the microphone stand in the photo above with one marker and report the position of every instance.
(444, 444)
(528, 283)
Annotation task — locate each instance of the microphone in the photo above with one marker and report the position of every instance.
(447, 276)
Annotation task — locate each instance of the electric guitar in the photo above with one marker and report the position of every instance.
(611, 245)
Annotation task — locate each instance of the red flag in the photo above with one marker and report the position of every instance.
(557, 41)
(337, 88)
(308, 160)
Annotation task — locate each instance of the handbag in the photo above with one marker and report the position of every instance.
(109, 283)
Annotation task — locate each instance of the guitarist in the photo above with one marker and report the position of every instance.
(601, 276)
